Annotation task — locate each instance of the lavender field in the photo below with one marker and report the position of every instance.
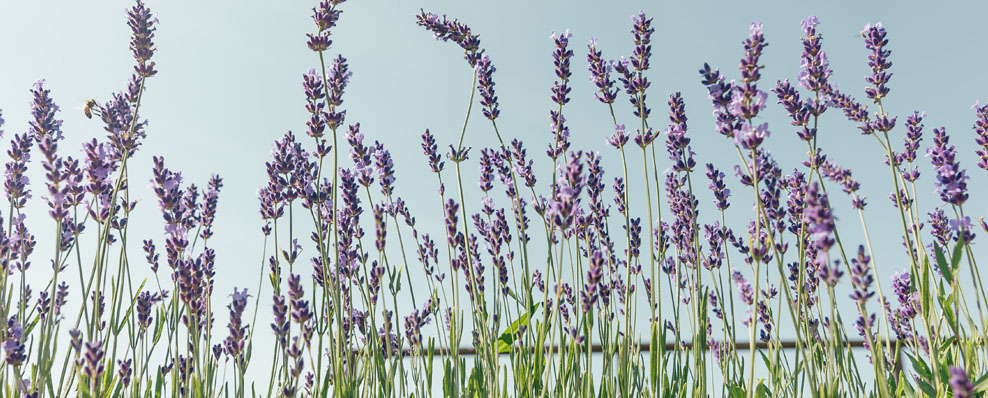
(673, 204)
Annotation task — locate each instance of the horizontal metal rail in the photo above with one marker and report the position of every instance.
(644, 347)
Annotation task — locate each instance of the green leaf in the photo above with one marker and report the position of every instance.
(902, 385)
(475, 383)
(920, 367)
(762, 391)
(955, 258)
(982, 384)
(925, 287)
(948, 307)
(942, 264)
(927, 389)
(509, 335)
(737, 392)
(158, 384)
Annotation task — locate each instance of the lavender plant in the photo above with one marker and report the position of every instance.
(536, 289)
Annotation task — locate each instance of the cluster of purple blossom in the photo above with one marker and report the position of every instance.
(344, 334)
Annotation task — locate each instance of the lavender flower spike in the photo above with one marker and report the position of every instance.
(43, 109)
(720, 190)
(325, 16)
(234, 344)
(980, 127)
(485, 83)
(561, 60)
(815, 66)
(455, 31)
(951, 179)
(878, 60)
(600, 74)
(960, 383)
(142, 23)
(94, 366)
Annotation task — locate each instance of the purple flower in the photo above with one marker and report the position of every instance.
(560, 135)
(874, 37)
(914, 135)
(145, 303)
(385, 169)
(719, 92)
(522, 166)
(798, 110)
(417, 320)
(299, 306)
(380, 227)
(635, 231)
(118, 116)
(560, 59)
(632, 72)
(753, 46)
(207, 213)
(141, 23)
(619, 138)
(736, 105)
(960, 383)
(815, 66)
(564, 205)
(829, 274)
(883, 124)
(339, 77)
(642, 30)
(167, 185)
(600, 74)
(677, 143)
(853, 110)
(58, 195)
(486, 170)
(431, 152)
(75, 336)
(458, 155)
(819, 218)
(453, 237)
(619, 197)
(951, 179)
(861, 277)
(485, 83)
(150, 255)
(234, 343)
(474, 278)
(60, 297)
(43, 109)
(94, 366)
(720, 190)
(751, 136)
(839, 175)
(981, 129)
(16, 182)
(744, 287)
(315, 104)
(16, 351)
(594, 274)
(280, 326)
(455, 31)
(908, 299)
(325, 15)
(125, 371)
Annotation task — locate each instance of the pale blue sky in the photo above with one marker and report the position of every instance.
(230, 73)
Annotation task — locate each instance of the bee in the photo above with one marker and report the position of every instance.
(88, 109)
